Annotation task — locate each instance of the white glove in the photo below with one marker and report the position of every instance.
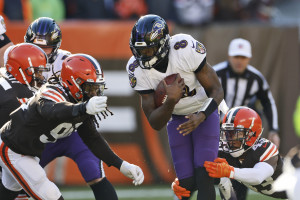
(96, 105)
(132, 171)
(2, 25)
(226, 189)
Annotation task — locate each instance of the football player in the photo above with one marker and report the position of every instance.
(46, 33)
(25, 65)
(244, 155)
(4, 41)
(193, 122)
(59, 108)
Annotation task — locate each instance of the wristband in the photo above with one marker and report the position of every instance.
(4, 40)
(210, 105)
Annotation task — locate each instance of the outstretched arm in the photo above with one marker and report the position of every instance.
(253, 176)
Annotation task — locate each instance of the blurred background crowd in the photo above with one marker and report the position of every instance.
(185, 12)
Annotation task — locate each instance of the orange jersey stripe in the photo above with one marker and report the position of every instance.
(270, 151)
(55, 95)
(51, 97)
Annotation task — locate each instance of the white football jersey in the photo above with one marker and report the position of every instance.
(57, 64)
(185, 56)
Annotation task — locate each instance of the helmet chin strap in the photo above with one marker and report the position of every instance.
(151, 62)
(237, 153)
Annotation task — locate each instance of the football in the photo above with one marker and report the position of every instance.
(160, 94)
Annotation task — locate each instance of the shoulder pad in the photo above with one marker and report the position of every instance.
(53, 93)
(265, 149)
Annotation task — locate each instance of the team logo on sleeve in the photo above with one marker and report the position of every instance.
(132, 80)
(200, 48)
(132, 66)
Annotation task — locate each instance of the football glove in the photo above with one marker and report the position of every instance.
(226, 189)
(179, 191)
(132, 171)
(219, 168)
(96, 105)
(2, 26)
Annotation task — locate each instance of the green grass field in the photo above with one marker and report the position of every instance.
(157, 192)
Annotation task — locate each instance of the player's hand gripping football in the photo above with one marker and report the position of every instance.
(174, 91)
(96, 105)
(132, 171)
(219, 168)
(2, 26)
(179, 191)
(193, 122)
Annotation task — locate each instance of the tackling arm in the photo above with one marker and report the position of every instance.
(253, 176)
(98, 145)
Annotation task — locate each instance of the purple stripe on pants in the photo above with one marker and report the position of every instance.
(190, 151)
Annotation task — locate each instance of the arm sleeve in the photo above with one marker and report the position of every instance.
(98, 145)
(255, 175)
(62, 111)
(6, 108)
(4, 40)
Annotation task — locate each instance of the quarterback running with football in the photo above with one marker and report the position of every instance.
(193, 122)
(243, 156)
(60, 107)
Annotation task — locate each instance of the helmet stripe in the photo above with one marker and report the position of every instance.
(231, 115)
(39, 28)
(45, 26)
(94, 62)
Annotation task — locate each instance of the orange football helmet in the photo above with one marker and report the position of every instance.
(82, 75)
(24, 60)
(241, 128)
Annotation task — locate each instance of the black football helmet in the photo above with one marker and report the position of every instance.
(44, 32)
(149, 41)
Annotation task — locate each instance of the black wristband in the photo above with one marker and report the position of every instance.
(4, 40)
(209, 107)
(79, 109)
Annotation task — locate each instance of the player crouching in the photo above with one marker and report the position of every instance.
(243, 156)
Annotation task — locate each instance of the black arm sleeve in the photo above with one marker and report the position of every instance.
(6, 108)
(4, 41)
(97, 144)
(62, 111)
